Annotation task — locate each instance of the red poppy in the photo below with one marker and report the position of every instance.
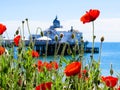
(35, 54)
(72, 68)
(2, 50)
(48, 66)
(39, 65)
(2, 29)
(110, 81)
(90, 16)
(42, 65)
(52, 65)
(44, 86)
(17, 40)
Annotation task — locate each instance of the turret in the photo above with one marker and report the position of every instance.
(56, 24)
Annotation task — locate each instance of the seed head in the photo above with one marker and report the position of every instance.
(102, 39)
(61, 35)
(26, 19)
(23, 22)
(73, 36)
(41, 33)
(56, 37)
(111, 70)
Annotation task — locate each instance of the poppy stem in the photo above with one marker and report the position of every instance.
(57, 52)
(93, 39)
(100, 52)
(46, 49)
(38, 28)
(23, 30)
(23, 37)
(28, 27)
(0, 40)
(31, 39)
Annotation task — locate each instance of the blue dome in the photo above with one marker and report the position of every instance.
(56, 23)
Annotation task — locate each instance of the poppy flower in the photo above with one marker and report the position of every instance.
(17, 40)
(2, 50)
(42, 65)
(52, 65)
(2, 29)
(39, 65)
(90, 15)
(72, 68)
(110, 81)
(47, 65)
(35, 54)
(44, 86)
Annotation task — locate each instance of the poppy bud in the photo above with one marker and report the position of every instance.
(111, 70)
(17, 32)
(23, 22)
(102, 39)
(69, 51)
(26, 19)
(41, 33)
(82, 41)
(56, 38)
(73, 36)
(61, 35)
(94, 36)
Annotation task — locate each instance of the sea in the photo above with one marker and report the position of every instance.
(110, 54)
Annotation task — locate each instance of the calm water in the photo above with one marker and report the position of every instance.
(110, 55)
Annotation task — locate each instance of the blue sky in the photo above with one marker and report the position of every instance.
(42, 12)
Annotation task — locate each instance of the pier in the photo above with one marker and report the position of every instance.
(40, 47)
